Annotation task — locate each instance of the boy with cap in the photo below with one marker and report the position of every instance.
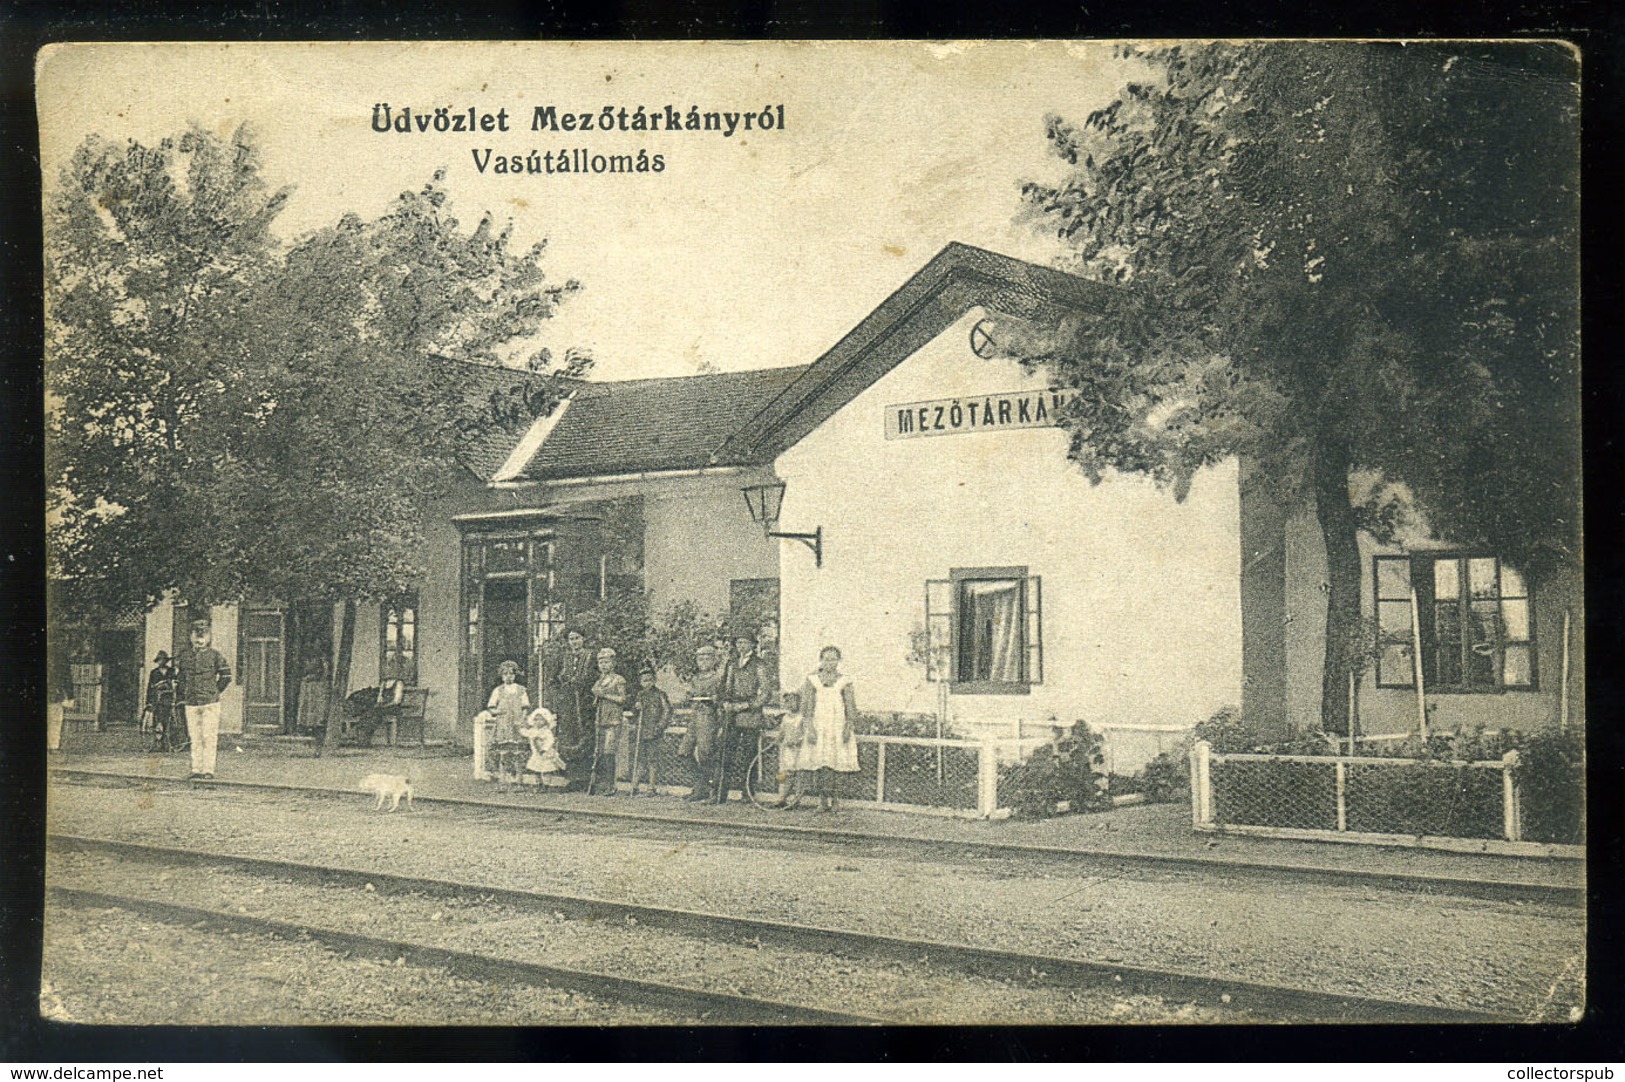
(204, 675)
(653, 714)
(609, 704)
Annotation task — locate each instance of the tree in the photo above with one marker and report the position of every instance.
(1337, 261)
(232, 416)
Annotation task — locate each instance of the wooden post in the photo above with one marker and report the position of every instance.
(1416, 667)
(1342, 796)
(1201, 784)
(1563, 688)
(1353, 711)
(1511, 806)
(987, 777)
(880, 771)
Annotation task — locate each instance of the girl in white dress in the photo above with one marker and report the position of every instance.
(540, 731)
(830, 712)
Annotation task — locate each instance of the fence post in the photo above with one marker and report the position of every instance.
(987, 777)
(1342, 795)
(880, 772)
(1201, 784)
(1511, 799)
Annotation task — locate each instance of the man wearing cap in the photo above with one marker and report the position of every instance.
(609, 702)
(204, 675)
(699, 745)
(745, 689)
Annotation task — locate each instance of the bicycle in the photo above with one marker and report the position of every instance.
(783, 793)
(169, 730)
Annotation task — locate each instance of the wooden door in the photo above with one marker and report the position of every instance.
(264, 677)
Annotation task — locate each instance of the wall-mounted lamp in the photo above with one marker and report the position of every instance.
(764, 502)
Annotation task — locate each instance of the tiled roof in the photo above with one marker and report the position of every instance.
(486, 452)
(652, 424)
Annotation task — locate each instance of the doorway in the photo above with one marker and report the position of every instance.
(506, 635)
(120, 656)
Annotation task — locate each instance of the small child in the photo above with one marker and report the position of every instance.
(653, 716)
(792, 742)
(540, 730)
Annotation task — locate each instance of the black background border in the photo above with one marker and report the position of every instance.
(25, 26)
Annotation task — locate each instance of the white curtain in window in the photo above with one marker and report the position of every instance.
(997, 608)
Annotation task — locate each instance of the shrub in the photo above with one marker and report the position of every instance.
(1165, 779)
(1065, 770)
(1551, 777)
(896, 723)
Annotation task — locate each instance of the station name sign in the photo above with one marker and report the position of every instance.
(979, 413)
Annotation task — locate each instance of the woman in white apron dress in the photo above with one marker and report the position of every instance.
(830, 712)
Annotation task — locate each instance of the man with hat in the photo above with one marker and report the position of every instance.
(609, 704)
(158, 716)
(744, 690)
(204, 675)
(699, 745)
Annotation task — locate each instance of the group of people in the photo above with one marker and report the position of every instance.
(188, 686)
(592, 729)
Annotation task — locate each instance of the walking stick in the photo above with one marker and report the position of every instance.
(724, 726)
(637, 748)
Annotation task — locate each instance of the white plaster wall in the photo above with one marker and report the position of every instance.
(159, 635)
(1141, 595)
(698, 537)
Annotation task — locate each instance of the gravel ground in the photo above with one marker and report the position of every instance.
(911, 993)
(1524, 959)
(110, 966)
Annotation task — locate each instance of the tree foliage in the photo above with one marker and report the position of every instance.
(231, 415)
(1336, 260)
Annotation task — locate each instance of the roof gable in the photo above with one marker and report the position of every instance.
(957, 279)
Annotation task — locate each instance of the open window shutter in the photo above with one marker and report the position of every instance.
(1032, 604)
(939, 629)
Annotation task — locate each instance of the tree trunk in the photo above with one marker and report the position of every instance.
(1341, 539)
(341, 679)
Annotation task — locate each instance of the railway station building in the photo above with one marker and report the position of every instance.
(907, 497)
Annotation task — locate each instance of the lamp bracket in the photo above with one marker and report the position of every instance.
(814, 541)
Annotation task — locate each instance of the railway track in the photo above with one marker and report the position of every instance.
(1237, 1000)
(1569, 895)
(698, 1003)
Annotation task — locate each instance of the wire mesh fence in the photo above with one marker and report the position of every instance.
(1352, 795)
(930, 774)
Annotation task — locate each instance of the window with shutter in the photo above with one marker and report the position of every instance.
(1472, 615)
(984, 630)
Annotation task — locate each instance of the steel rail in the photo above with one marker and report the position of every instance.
(722, 1008)
(1570, 895)
(1278, 1002)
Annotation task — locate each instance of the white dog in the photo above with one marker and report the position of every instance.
(388, 787)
